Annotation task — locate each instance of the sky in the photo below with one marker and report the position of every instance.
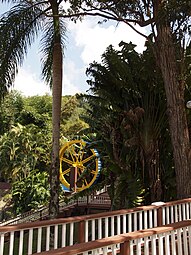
(86, 41)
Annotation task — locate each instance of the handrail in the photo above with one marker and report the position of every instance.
(79, 229)
(125, 244)
(75, 219)
(43, 211)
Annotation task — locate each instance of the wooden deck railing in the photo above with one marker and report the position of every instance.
(35, 237)
(42, 212)
(172, 239)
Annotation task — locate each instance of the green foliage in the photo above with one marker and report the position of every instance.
(35, 110)
(71, 122)
(38, 111)
(10, 109)
(30, 192)
(19, 27)
(23, 149)
(125, 184)
(25, 143)
(47, 43)
(128, 115)
(141, 12)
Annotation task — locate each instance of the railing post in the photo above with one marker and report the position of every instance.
(125, 248)
(159, 212)
(81, 231)
(159, 217)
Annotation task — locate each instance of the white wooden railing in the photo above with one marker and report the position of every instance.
(172, 239)
(34, 237)
(175, 212)
(42, 212)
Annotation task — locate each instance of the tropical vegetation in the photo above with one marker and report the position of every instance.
(25, 145)
(168, 23)
(128, 115)
(19, 27)
(129, 108)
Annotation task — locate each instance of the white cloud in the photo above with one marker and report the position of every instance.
(29, 84)
(94, 38)
(87, 42)
(68, 86)
(72, 70)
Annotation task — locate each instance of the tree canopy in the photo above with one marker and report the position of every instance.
(25, 144)
(19, 27)
(169, 24)
(128, 115)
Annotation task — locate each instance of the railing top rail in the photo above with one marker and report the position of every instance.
(177, 202)
(78, 248)
(52, 222)
(63, 204)
(42, 223)
(37, 224)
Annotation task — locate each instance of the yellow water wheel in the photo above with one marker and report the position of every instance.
(79, 166)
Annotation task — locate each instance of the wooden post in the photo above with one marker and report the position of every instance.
(159, 217)
(159, 212)
(73, 178)
(125, 248)
(81, 231)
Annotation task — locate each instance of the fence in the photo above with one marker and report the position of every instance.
(43, 212)
(171, 239)
(29, 238)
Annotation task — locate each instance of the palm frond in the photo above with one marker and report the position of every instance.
(47, 43)
(18, 29)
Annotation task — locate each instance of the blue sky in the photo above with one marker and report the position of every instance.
(86, 42)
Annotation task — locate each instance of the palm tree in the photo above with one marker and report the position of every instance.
(19, 27)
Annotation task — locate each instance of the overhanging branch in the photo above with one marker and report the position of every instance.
(141, 23)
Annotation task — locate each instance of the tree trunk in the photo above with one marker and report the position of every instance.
(56, 114)
(174, 87)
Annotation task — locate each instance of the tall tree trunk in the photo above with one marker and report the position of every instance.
(56, 114)
(174, 87)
